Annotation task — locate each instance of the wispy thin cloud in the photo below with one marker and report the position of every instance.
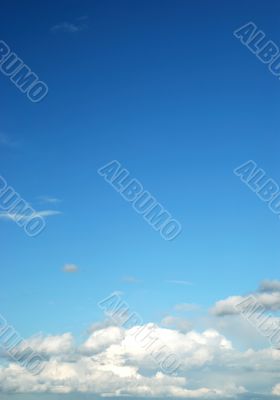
(71, 27)
(23, 217)
(181, 324)
(48, 213)
(130, 279)
(186, 307)
(49, 199)
(179, 282)
(7, 141)
(82, 18)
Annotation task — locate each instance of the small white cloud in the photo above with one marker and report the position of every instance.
(70, 268)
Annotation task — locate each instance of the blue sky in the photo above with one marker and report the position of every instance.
(165, 88)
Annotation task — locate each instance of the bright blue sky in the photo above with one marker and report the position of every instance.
(165, 88)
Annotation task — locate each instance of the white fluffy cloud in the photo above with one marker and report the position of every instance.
(52, 345)
(117, 361)
(111, 362)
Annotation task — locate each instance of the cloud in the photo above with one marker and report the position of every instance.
(49, 199)
(181, 324)
(17, 216)
(268, 295)
(186, 307)
(276, 390)
(96, 326)
(111, 363)
(269, 286)
(7, 141)
(227, 306)
(70, 27)
(70, 268)
(103, 338)
(179, 282)
(47, 213)
(271, 301)
(130, 279)
(52, 345)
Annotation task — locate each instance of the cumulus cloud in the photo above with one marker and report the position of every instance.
(117, 360)
(103, 338)
(96, 326)
(51, 345)
(269, 286)
(268, 295)
(226, 306)
(111, 363)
